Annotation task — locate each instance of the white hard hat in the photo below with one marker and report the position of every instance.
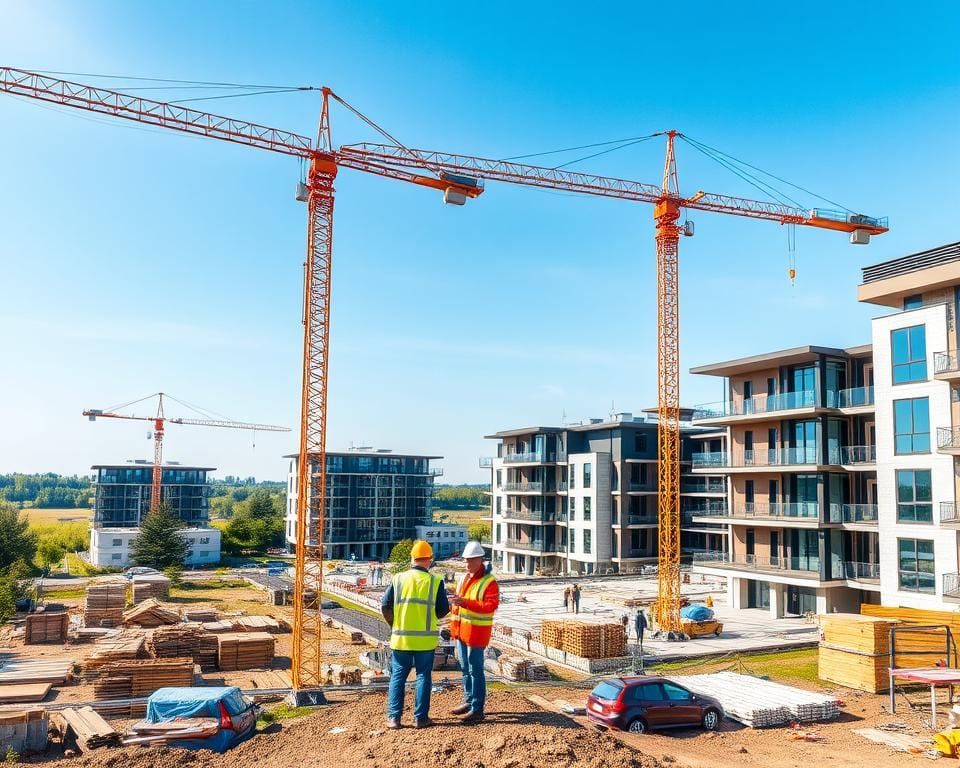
(473, 549)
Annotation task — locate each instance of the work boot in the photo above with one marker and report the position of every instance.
(393, 723)
(425, 723)
(461, 710)
(473, 717)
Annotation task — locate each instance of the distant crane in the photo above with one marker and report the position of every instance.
(159, 420)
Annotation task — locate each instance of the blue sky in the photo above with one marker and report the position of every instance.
(137, 260)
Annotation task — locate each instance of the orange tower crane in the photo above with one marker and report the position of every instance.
(159, 420)
(459, 177)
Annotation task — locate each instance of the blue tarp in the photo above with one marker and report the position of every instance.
(696, 612)
(168, 703)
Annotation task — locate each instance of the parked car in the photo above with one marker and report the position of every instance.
(214, 718)
(140, 570)
(643, 703)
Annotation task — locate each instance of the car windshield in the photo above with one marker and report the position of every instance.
(608, 689)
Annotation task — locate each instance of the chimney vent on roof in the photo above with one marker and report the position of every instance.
(624, 416)
(596, 421)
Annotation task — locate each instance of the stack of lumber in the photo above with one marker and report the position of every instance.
(200, 614)
(595, 641)
(760, 703)
(537, 672)
(86, 728)
(104, 603)
(514, 667)
(46, 627)
(150, 586)
(23, 693)
(121, 648)
(183, 641)
(173, 731)
(934, 642)
(854, 651)
(150, 613)
(245, 624)
(245, 650)
(141, 677)
(20, 671)
(89, 634)
(338, 674)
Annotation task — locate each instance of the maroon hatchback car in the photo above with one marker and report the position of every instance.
(642, 703)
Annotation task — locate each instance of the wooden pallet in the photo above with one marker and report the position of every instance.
(129, 645)
(150, 587)
(150, 613)
(46, 627)
(861, 671)
(104, 603)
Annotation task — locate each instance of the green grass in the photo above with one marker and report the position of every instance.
(284, 712)
(63, 594)
(79, 568)
(797, 665)
(460, 516)
(186, 586)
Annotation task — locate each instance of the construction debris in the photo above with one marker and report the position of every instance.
(150, 586)
(901, 742)
(760, 703)
(338, 674)
(141, 677)
(86, 728)
(105, 601)
(24, 730)
(150, 613)
(245, 650)
(43, 627)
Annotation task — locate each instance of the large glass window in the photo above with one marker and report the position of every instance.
(587, 508)
(587, 474)
(917, 572)
(573, 475)
(640, 442)
(914, 496)
(909, 351)
(587, 542)
(911, 425)
(573, 507)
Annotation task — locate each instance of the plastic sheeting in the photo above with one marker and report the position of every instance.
(696, 612)
(168, 704)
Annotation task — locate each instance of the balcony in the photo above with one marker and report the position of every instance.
(854, 454)
(529, 515)
(949, 514)
(948, 440)
(717, 510)
(486, 462)
(855, 397)
(861, 571)
(806, 567)
(534, 457)
(530, 546)
(853, 513)
(705, 486)
(794, 510)
(951, 586)
(946, 366)
(758, 405)
(533, 487)
(436, 471)
(771, 457)
(636, 553)
(642, 485)
(638, 520)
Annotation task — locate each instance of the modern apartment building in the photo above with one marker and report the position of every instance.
(123, 496)
(842, 462)
(374, 498)
(583, 498)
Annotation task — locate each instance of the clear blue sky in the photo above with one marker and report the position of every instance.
(138, 260)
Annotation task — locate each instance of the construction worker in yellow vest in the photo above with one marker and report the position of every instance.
(477, 599)
(413, 603)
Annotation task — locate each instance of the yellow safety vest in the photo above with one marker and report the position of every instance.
(414, 611)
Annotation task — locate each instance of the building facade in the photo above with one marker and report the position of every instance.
(123, 498)
(869, 435)
(446, 539)
(583, 499)
(374, 498)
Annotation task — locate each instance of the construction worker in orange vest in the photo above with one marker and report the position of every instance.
(477, 599)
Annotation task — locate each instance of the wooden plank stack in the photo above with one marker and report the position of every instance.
(19, 671)
(121, 648)
(854, 651)
(200, 614)
(150, 613)
(86, 728)
(46, 627)
(150, 586)
(141, 677)
(104, 604)
(933, 642)
(514, 667)
(183, 641)
(22, 693)
(580, 638)
(245, 650)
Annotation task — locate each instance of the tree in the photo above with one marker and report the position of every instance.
(479, 532)
(400, 554)
(256, 524)
(160, 543)
(17, 541)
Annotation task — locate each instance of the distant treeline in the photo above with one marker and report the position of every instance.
(47, 490)
(460, 497)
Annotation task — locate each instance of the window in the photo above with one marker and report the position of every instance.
(914, 496)
(117, 543)
(916, 565)
(675, 692)
(499, 478)
(640, 442)
(587, 508)
(587, 473)
(771, 386)
(908, 348)
(498, 533)
(748, 491)
(115, 556)
(499, 504)
(648, 692)
(573, 475)
(913, 302)
(204, 539)
(911, 426)
(587, 542)
(573, 508)
(573, 541)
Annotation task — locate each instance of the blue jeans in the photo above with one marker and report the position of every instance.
(401, 664)
(474, 679)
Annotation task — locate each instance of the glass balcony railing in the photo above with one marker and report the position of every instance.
(854, 454)
(486, 462)
(707, 486)
(948, 437)
(807, 510)
(531, 457)
(785, 401)
(853, 397)
(771, 457)
(951, 585)
(853, 513)
(809, 565)
(532, 546)
(949, 512)
(638, 519)
(643, 485)
(534, 516)
(945, 362)
(531, 487)
(718, 510)
(861, 571)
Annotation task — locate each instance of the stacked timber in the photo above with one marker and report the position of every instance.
(85, 728)
(22, 671)
(854, 651)
(920, 648)
(514, 667)
(121, 648)
(245, 650)
(150, 613)
(257, 624)
(183, 641)
(537, 672)
(200, 614)
(46, 627)
(338, 674)
(150, 586)
(104, 604)
(141, 677)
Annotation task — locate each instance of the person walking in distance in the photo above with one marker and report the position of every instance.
(566, 598)
(640, 623)
(575, 597)
(412, 604)
(474, 604)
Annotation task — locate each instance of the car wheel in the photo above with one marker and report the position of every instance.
(717, 632)
(637, 726)
(711, 719)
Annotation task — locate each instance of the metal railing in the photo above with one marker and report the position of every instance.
(718, 510)
(771, 457)
(854, 454)
(760, 563)
(853, 397)
(637, 553)
(644, 485)
(531, 457)
(949, 512)
(853, 513)
(529, 514)
(951, 585)
(532, 487)
(638, 519)
(948, 437)
(710, 556)
(945, 362)
(708, 486)
(532, 546)
(562, 485)
(486, 462)
(803, 509)
(785, 401)
(436, 471)
(861, 571)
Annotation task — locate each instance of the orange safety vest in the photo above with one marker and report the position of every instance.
(473, 627)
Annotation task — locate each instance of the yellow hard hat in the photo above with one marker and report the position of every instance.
(420, 550)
